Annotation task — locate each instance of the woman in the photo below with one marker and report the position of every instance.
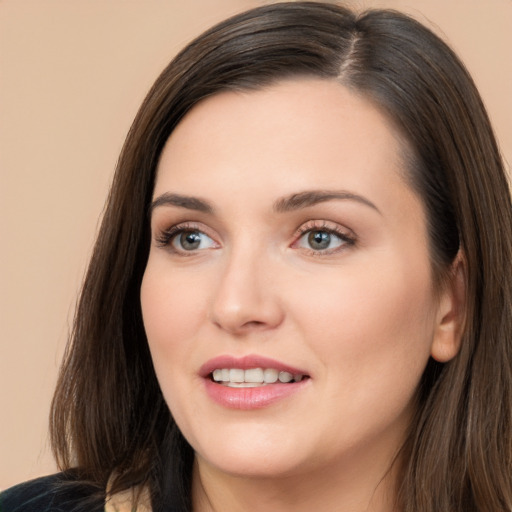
(300, 295)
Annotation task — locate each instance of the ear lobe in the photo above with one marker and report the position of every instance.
(451, 313)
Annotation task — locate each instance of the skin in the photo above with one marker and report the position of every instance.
(361, 317)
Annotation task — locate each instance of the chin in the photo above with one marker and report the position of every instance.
(254, 467)
(250, 457)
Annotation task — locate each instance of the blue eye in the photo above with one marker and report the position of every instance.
(191, 241)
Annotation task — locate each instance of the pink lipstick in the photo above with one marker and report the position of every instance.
(250, 382)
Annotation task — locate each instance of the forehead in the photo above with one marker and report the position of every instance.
(294, 131)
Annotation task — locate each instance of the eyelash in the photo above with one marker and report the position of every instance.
(325, 227)
(165, 237)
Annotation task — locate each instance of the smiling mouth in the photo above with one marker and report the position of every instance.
(253, 377)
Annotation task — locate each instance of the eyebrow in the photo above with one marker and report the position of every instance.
(313, 197)
(188, 202)
(286, 204)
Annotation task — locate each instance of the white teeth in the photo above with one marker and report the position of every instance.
(236, 377)
(254, 375)
(243, 384)
(270, 375)
(285, 377)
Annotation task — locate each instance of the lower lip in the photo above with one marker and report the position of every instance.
(251, 398)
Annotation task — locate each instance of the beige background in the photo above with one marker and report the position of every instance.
(72, 74)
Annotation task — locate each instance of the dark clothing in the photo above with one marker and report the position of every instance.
(54, 493)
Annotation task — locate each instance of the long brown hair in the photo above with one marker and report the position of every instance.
(108, 415)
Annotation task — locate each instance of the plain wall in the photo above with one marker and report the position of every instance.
(72, 75)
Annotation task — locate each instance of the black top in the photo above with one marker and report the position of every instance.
(54, 493)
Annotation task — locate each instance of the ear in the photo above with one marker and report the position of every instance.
(451, 312)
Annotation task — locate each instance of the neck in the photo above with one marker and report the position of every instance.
(354, 487)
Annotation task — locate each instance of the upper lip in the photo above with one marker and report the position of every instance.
(245, 363)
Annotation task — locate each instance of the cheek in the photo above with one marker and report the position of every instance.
(374, 321)
(171, 306)
(172, 309)
(373, 339)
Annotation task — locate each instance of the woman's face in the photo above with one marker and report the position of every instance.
(286, 244)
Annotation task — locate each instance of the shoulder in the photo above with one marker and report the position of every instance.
(54, 493)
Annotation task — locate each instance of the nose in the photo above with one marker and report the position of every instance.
(247, 295)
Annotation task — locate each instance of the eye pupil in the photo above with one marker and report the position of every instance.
(319, 239)
(190, 240)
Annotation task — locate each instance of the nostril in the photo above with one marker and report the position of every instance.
(253, 323)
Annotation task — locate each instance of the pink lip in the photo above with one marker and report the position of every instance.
(249, 398)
